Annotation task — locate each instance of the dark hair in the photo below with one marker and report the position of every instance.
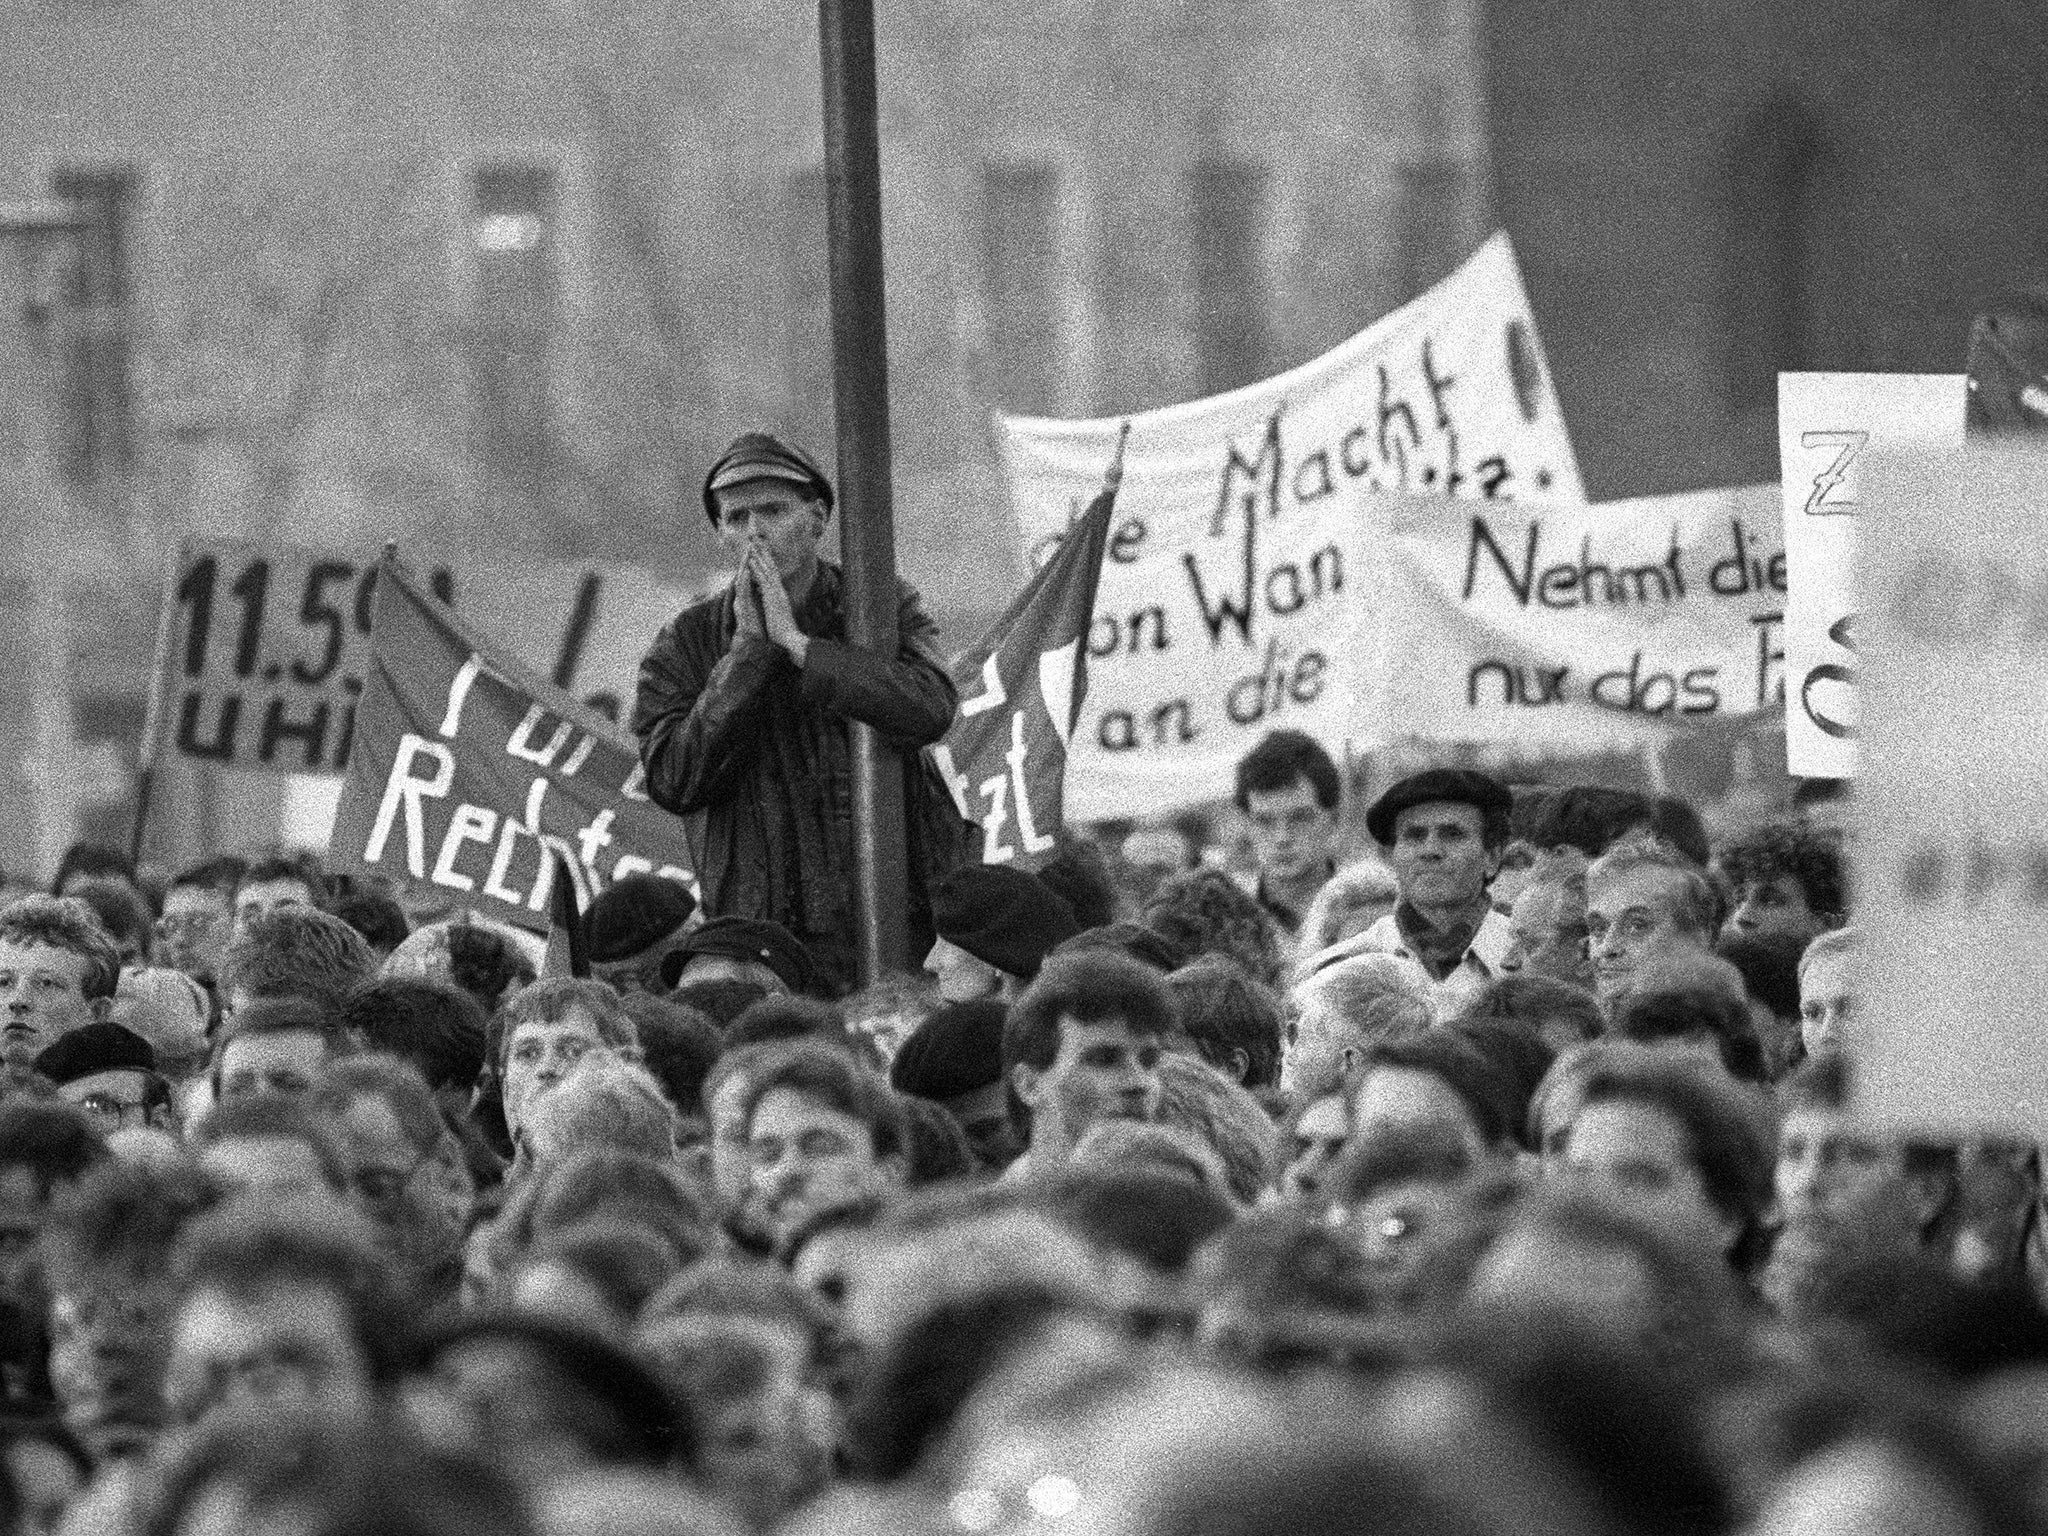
(1533, 1000)
(1145, 945)
(1587, 817)
(1382, 1156)
(379, 919)
(939, 1149)
(437, 1026)
(120, 908)
(1205, 911)
(1732, 1135)
(1224, 1011)
(1692, 1013)
(124, 1217)
(833, 1078)
(1677, 823)
(1808, 793)
(1518, 1055)
(781, 1017)
(1090, 987)
(56, 1142)
(1811, 856)
(1157, 1218)
(677, 1044)
(1770, 969)
(280, 865)
(282, 1016)
(1079, 875)
(395, 1082)
(1460, 1066)
(1283, 1258)
(721, 1001)
(1280, 758)
(486, 964)
(297, 952)
(93, 861)
(219, 875)
(910, 1395)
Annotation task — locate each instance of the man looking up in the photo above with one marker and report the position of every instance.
(1645, 903)
(1442, 832)
(744, 705)
(58, 972)
(1082, 1045)
(1287, 789)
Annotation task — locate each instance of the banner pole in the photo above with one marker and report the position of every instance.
(152, 714)
(860, 383)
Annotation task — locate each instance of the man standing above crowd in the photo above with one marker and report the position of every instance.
(1288, 788)
(744, 705)
(1443, 833)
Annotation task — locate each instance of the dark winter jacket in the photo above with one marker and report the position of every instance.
(758, 755)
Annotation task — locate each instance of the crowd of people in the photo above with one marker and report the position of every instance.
(1505, 1178)
(1498, 1173)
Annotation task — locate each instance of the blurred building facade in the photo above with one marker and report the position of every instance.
(505, 277)
(1706, 192)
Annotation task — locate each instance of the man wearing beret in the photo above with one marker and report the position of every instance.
(743, 710)
(632, 925)
(1442, 832)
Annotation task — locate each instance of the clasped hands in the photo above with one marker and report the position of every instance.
(761, 604)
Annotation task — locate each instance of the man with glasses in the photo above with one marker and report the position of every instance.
(110, 1072)
(406, 1171)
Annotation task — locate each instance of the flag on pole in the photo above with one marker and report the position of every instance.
(1021, 690)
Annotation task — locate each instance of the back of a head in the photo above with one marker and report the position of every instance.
(677, 1044)
(1145, 945)
(787, 1018)
(374, 915)
(436, 1025)
(1588, 817)
(1533, 1002)
(1342, 994)
(1485, 1091)
(1152, 1217)
(603, 1104)
(485, 963)
(1204, 911)
(1769, 966)
(1234, 1022)
(938, 1148)
(274, 1117)
(91, 861)
(1285, 1258)
(1383, 1156)
(1516, 1053)
(123, 913)
(297, 952)
(1228, 1119)
(614, 1181)
(124, 1218)
(1079, 875)
(55, 1142)
(1700, 1014)
(957, 1051)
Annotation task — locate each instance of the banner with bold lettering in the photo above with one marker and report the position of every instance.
(1021, 689)
(1229, 603)
(1952, 805)
(469, 773)
(1828, 423)
(264, 648)
(1579, 627)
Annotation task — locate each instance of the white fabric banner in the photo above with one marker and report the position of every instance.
(1231, 595)
(1952, 806)
(1828, 423)
(1580, 627)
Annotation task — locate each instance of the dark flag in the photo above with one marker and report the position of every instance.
(1021, 689)
(471, 774)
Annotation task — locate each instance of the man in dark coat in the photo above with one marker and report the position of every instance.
(743, 707)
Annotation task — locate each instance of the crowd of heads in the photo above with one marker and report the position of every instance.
(1496, 1170)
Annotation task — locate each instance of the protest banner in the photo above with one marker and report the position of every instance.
(1952, 805)
(1229, 602)
(1021, 690)
(262, 648)
(1581, 628)
(1828, 424)
(470, 773)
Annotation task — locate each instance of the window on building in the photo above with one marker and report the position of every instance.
(513, 240)
(1227, 204)
(1020, 274)
(92, 340)
(806, 310)
(1772, 175)
(1432, 222)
